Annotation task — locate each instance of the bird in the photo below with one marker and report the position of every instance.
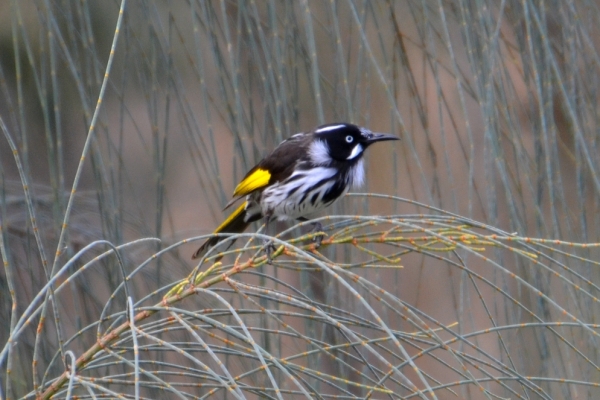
(303, 175)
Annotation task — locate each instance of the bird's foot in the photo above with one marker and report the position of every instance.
(269, 250)
(317, 227)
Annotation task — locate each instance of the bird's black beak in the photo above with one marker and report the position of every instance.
(378, 137)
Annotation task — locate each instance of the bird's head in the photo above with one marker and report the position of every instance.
(343, 142)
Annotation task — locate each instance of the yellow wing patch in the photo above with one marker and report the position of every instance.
(259, 178)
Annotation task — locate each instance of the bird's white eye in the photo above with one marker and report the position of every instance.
(349, 139)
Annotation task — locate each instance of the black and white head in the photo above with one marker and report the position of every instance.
(341, 142)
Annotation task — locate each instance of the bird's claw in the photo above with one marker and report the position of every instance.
(317, 240)
(269, 250)
(318, 228)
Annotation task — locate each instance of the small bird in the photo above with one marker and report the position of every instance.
(304, 174)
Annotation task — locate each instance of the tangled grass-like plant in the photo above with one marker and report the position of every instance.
(240, 327)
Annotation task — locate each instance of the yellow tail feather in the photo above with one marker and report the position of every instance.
(234, 215)
(235, 223)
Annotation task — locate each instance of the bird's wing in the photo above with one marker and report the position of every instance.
(273, 168)
(257, 178)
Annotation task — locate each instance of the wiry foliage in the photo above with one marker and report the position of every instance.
(245, 328)
(113, 150)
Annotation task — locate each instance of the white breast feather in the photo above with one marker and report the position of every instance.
(275, 198)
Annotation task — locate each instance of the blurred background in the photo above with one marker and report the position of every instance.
(495, 103)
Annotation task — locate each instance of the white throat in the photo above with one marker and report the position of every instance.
(357, 174)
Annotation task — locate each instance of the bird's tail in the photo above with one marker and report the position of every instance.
(237, 222)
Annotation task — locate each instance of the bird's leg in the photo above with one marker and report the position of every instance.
(316, 227)
(268, 243)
